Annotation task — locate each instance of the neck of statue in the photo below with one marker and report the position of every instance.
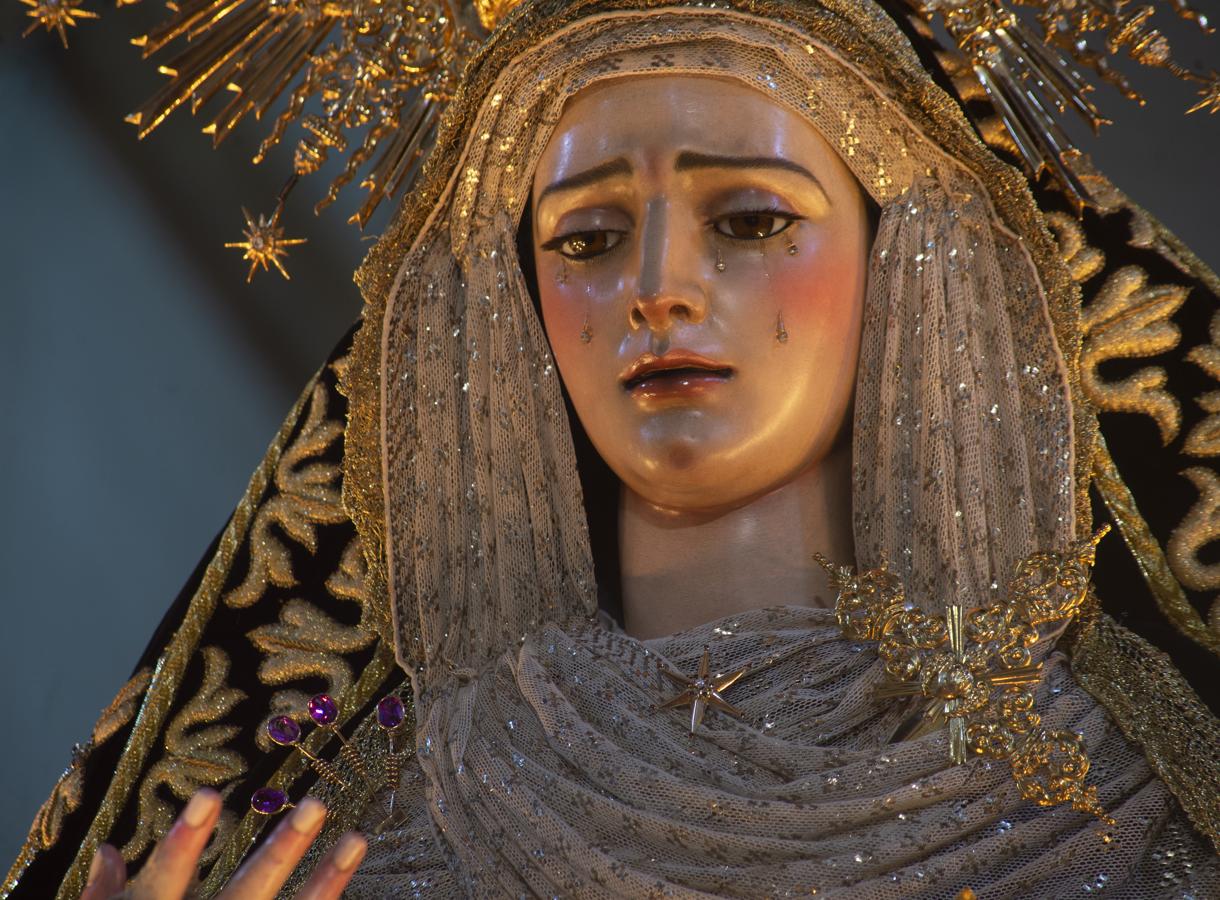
(681, 569)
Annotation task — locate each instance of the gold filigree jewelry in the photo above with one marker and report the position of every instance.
(703, 690)
(793, 249)
(781, 332)
(586, 332)
(719, 261)
(974, 668)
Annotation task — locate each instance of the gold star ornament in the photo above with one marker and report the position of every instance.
(264, 243)
(56, 15)
(703, 690)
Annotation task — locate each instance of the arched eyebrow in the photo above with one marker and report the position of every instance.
(609, 169)
(686, 161)
(689, 160)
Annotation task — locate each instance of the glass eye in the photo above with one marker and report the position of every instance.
(752, 226)
(588, 244)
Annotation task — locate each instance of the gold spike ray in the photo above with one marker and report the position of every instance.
(1030, 81)
(349, 65)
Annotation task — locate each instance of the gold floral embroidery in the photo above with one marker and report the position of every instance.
(194, 757)
(308, 497)
(1130, 319)
(1200, 527)
(1083, 260)
(308, 643)
(66, 795)
(974, 669)
(1204, 438)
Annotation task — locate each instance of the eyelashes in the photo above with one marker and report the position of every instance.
(754, 225)
(743, 226)
(583, 245)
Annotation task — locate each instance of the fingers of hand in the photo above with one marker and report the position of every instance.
(169, 870)
(266, 871)
(336, 869)
(107, 874)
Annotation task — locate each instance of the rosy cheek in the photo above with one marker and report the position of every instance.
(563, 315)
(816, 292)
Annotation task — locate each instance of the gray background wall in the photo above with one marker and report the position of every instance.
(141, 378)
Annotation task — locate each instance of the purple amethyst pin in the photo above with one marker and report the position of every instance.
(285, 731)
(268, 801)
(325, 713)
(390, 715)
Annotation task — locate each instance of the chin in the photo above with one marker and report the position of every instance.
(685, 477)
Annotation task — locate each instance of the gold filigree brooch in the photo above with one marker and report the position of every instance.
(974, 667)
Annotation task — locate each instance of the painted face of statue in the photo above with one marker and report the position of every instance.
(702, 281)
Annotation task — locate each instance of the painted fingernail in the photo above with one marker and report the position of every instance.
(307, 816)
(349, 851)
(95, 867)
(199, 808)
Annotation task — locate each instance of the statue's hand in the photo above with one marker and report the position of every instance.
(170, 870)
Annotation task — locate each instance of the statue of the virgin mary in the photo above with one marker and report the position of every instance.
(685, 295)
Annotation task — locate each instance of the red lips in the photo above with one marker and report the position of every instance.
(677, 367)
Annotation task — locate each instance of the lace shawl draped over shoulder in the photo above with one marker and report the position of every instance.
(446, 531)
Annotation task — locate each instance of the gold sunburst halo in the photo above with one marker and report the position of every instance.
(264, 243)
(703, 690)
(56, 15)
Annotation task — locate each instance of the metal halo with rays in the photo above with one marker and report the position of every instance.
(368, 79)
(1031, 79)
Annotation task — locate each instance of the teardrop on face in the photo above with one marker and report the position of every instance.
(284, 731)
(323, 710)
(781, 332)
(390, 713)
(268, 801)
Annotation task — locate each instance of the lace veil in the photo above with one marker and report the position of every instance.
(963, 426)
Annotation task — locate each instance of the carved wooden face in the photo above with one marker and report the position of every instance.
(701, 256)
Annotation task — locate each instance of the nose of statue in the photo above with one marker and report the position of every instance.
(667, 291)
(659, 311)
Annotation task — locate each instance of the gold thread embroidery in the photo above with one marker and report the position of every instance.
(1166, 589)
(172, 663)
(1130, 319)
(1159, 570)
(195, 756)
(1157, 710)
(308, 496)
(66, 796)
(1083, 261)
(306, 643)
(238, 843)
(1204, 438)
(1200, 527)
